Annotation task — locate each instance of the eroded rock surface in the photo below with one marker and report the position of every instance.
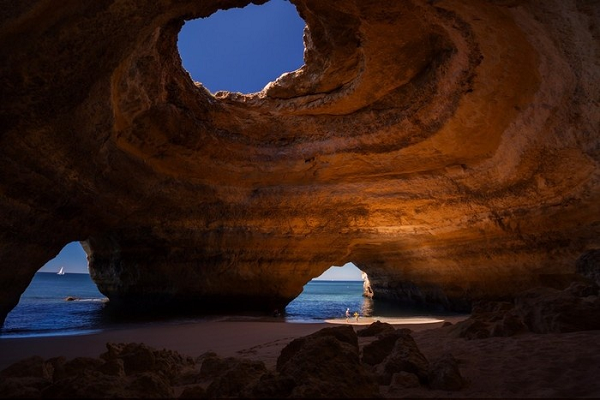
(538, 310)
(325, 364)
(448, 148)
(126, 370)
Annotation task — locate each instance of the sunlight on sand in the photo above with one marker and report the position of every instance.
(392, 321)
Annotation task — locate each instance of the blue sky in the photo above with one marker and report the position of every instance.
(243, 49)
(347, 272)
(72, 257)
(238, 50)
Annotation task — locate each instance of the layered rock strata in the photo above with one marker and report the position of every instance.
(448, 148)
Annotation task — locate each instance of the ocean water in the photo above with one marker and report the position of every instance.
(328, 300)
(44, 311)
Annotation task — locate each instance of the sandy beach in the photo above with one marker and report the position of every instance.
(527, 365)
(231, 337)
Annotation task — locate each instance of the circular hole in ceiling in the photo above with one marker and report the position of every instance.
(243, 49)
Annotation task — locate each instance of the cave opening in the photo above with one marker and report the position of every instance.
(348, 289)
(329, 295)
(72, 258)
(60, 300)
(243, 49)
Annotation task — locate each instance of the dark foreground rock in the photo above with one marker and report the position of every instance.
(538, 310)
(588, 265)
(376, 328)
(326, 364)
(125, 370)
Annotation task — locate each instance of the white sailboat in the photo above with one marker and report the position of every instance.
(61, 271)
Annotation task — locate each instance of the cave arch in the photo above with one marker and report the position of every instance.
(433, 135)
(61, 298)
(327, 295)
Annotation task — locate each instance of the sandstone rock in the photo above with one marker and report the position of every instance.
(272, 386)
(137, 357)
(539, 310)
(343, 334)
(126, 370)
(376, 328)
(548, 310)
(403, 380)
(58, 364)
(472, 328)
(326, 364)
(588, 265)
(148, 385)
(193, 392)
(404, 357)
(21, 388)
(86, 384)
(497, 318)
(444, 374)
(34, 366)
(94, 384)
(376, 351)
(237, 380)
(114, 367)
(26, 378)
(213, 365)
(79, 365)
(580, 289)
(443, 147)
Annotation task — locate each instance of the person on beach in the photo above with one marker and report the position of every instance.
(356, 315)
(347, 315)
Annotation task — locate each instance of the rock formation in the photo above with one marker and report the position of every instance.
(449, 149)
(538, 310)
(325, 364)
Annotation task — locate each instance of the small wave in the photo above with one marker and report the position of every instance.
(70, 298)
(23, 333)
(100, 300)
(389, 320)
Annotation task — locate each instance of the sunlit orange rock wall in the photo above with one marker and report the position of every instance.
(449, 149)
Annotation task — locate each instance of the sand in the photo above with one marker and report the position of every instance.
(527, 365)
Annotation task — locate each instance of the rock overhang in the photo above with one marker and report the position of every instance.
(446, 148)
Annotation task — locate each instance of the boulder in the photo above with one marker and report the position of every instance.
(588, 265)
(444, 374)
(237, 380)
(547, 310)
(375, 329)
(376, 351)
(325, 365)
(539, 310)
(403, 380)
(404, 357)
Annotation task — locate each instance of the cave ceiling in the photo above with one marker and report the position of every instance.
(449, 149)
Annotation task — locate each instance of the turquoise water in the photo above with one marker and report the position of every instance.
(43, 310)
